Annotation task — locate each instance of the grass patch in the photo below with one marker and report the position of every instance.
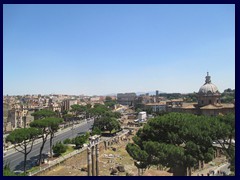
(33, 169)
(69, 150)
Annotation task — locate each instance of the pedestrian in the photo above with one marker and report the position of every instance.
(202, 175)
(208, 174)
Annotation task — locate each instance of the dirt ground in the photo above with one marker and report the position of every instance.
(107, 159)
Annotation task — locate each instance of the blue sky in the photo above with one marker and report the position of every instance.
(102, 49)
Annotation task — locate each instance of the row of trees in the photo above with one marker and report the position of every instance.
(105, 119)
(180, 141)
(88, 111)
(45, 124)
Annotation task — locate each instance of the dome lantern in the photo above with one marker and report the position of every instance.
(208, 79)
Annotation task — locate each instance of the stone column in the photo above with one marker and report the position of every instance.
(93, 161)
(89, 160)
(97, 154)
(105, 145)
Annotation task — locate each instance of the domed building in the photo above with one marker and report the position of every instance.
(209, 102)
(208, 94)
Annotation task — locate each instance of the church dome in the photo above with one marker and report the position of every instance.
(208, 87)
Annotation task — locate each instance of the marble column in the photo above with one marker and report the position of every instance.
(97, 155)
(89, 160)
(93, 161)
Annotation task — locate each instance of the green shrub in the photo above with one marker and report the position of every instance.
(67, 141)
(59, 148)
(96, 131)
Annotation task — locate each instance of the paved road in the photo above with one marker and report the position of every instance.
(224, 168)
(15, 159)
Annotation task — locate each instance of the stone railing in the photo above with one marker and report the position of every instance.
(57, 161)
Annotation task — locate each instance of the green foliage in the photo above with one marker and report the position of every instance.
(113, 124)
(88, 106)
(136, 153)
(98, 110)
(149, 111)
(191, 97)
(59, 148)
(138, 110)
(19, 135)
(43, 114)
(171, 95)
(179, 140)
(7, 171)
(67, 141)
(87, 135)
(64, 112)
(228, 96)
(109, 102)
(80, 140)
(78, 109)
(48, 126)
(96, 131)
(68, 117)
(117, 115)
(107, 123)
(232, 160)
(21, 138)
(108, 99)
(51, 123)
(224, 134)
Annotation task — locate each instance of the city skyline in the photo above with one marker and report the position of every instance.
(104, 49)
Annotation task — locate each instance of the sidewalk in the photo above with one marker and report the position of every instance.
(218, 164)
